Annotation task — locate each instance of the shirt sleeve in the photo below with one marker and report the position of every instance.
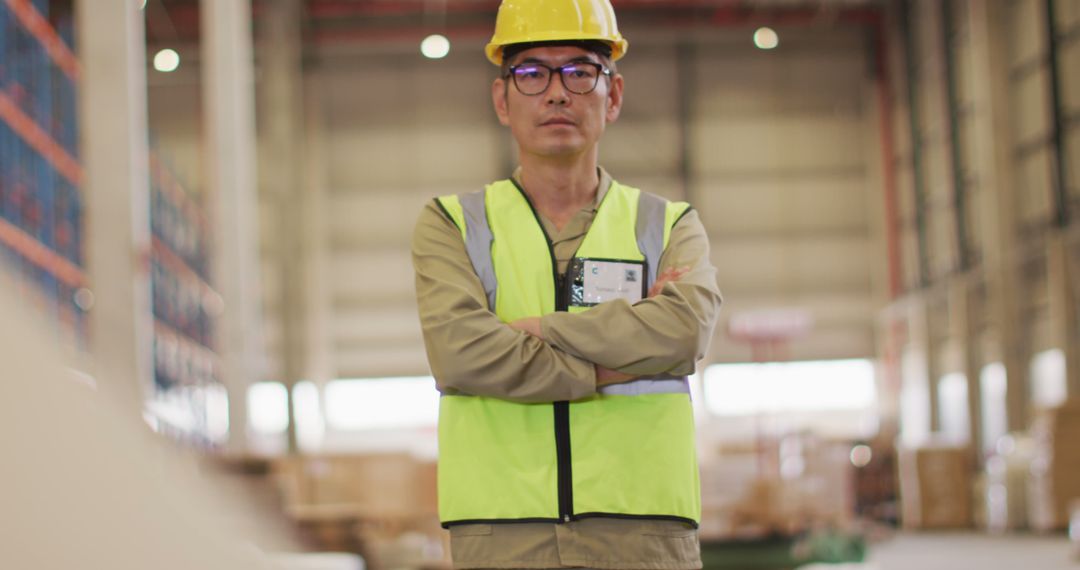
(469, 349)
(665, 334)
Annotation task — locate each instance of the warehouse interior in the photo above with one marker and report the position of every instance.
(206, 210)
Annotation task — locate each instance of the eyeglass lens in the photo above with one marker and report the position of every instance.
(534, 78)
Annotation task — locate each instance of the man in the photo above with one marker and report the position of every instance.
(561, 312)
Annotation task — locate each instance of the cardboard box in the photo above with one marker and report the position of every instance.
(935, 486)
(1054, 482)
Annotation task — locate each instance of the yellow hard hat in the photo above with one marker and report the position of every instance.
(527, 21)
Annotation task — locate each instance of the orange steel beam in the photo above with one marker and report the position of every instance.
(39, 27)
(25, 245)
(165, 255)
(40, 140)
(163, 330)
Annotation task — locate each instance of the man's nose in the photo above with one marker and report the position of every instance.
(556, 93)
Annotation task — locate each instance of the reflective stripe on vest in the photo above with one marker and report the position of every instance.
(631, 450)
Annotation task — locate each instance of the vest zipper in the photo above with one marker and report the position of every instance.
(560, 409)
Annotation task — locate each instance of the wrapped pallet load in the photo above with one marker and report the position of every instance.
(1054, 482)
(935, 486)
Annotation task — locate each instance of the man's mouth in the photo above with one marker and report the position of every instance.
(557, 121)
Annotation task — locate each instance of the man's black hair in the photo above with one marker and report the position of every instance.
(600, 48)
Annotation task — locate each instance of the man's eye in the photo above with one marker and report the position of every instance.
(530, 73)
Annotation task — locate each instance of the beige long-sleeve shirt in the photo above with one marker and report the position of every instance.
(471, 351)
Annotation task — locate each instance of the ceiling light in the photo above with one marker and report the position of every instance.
(166, 60)
(435, 46)
(766, 38)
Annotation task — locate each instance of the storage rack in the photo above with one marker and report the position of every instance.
(186, 368)
(41, 205)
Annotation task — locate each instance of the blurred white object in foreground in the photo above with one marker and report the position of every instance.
(322, 561)
(86, 485)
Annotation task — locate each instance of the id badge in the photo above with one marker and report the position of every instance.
(595, 281)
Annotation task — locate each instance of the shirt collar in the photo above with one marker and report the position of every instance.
(601, 190)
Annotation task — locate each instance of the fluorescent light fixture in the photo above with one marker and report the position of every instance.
(435, 46)
(766, 38)
(166, 60)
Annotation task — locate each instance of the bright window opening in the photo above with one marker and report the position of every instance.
(1048, 385)
(382, 403)
(268, 408)
(953, 407)
(810, 386)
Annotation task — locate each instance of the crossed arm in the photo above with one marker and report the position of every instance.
(560, 356)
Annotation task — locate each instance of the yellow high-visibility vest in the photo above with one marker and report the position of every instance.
(625, 452)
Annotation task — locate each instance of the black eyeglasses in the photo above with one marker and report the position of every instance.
(580, 77)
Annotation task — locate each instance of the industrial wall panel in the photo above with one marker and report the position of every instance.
(905, 194)
(970, 146)
(365, 272)
(651, 86)
(1070, 77)
(370, 323)
(1033, 189)
(794, 85)
(787, 207)
(962, 61)
(378, 362)
(926, 23)
(395, 156)
(668, 186)
(397, 92)
(1025, 20)
(758, 144)
(642, 146)
(370, 218)
(1031, 108)
(941, 240)
(901, 127)
(909, 257)
(1068, 12)
(933, 112)
(173, 110)
(1072, 160)
(779, 266)
(974, 218)
(829, 309)
(819, 344)
(937, 176)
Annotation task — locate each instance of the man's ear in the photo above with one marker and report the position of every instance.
(615, 98)
(499, 96)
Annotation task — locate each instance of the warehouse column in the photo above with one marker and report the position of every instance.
(112, 48)
(1063, 308)
(229, 145)
(282, 118)
(962, 308)
(993, 159)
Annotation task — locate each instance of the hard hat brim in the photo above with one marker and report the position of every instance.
(619, 47)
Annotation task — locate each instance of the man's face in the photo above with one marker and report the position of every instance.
(557, 122)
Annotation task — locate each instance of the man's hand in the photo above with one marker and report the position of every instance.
(669, 275)
(530, 325)
(606, 376)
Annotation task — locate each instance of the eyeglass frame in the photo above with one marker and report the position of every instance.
(602, 71)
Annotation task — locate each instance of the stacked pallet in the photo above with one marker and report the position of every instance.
(1054, 483)
(935, 486)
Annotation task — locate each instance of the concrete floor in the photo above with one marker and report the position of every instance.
(962, 551)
